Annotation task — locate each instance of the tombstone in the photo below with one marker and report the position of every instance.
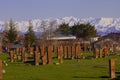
(49, 54)
(112, 68)
(11, 56)
(60, 53)
(1, 69)
(42, 50)
(31, 50)
(0, 48)
(36, 57)
(23, 53)
(44, 59)
(73, 51)
(114, 49)
(105, 52)
(96, 53)
(17, 51)
(69, 51)
(100, 53)
(78, 51)
(65, 52)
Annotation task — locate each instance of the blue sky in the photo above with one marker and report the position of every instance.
(42, 9)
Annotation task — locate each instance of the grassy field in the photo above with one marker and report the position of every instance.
(82, 69)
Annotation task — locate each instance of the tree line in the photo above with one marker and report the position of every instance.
(79, 30)
(84, 30)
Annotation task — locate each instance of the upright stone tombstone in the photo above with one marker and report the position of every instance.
(96, 52)
(65, 52)
(23, 53)
(114, 49)
(112, 68)
(0, 48)
(60, 53)
(49, 54)
(73, 51)
(105, 52)
(31, 50)
(44, 59)
(1, 69)
(101, 53)
(11, 56)
(78, 51)
(69, 51)
(36, 57)
(42, 49)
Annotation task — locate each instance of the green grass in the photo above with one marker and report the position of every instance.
(83, 69)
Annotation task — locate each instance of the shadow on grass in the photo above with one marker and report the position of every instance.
(90, 77)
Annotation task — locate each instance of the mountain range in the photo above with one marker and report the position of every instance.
(102, 25)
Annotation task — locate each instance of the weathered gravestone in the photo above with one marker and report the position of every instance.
(49, 54)
(73, 51)
(0, 48)
(112, 68)
(11, 56)
(96, 53)
(24, 56)
(0, 69)
(101, 53)
(65, 52)
(78, 51)
(36, 57)
(69, 52)
(60, 53)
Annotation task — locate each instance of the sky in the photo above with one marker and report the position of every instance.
(43, 9)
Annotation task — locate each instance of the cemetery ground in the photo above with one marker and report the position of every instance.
(88, 68)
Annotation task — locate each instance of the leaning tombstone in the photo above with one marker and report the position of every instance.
(112, 68)
(0, 69)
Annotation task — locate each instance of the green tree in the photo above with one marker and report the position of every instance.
(83, 30)
(30, 35)
(64, 29)
(11, 32)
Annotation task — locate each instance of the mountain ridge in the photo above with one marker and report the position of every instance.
(102, 25)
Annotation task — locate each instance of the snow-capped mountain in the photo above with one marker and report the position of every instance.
(103, 25)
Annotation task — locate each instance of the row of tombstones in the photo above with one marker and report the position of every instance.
(111, 68)
(45, 53)
(99, 52)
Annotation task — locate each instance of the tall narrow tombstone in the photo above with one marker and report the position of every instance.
(65, 52)
(73, 51)
(36, 57)
(105, 52)
(112, 68)
(69, 51)
(100, 53)
(1, 69)
(96, 53)
(44, 59)
(61, 53)
(11, 56)
(0, 48)
(78, 51)
(42, 49)
(114, 49)
(49, 53)
(23, 53)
